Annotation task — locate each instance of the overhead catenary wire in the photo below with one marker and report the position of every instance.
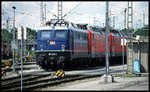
(71, 10)
(53, 14)
(66, 13)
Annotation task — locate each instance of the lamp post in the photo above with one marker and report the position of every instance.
(107, 43)
(107, 78)
(14, 40)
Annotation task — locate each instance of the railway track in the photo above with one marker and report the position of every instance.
(41, 81)
(32, 83)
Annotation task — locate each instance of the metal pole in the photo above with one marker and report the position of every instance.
(138, 50)
(45, 15)
(14, 40)
(123, 38)
(7, 21)
(24, 41)
(143, 19)
(94, 21)
(25, 50)
(113, 21)
(107, 37)
(110, 20)
(128, 19)
(22, 35)
(131, 16)
(123, 52)
(125, 18)
(42, 14)
(58, 11)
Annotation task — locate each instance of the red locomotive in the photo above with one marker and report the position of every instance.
(97, 44)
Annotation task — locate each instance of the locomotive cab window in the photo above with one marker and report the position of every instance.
(45, 34)
(60, 34)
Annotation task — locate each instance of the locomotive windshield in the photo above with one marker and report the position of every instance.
(60, 34)
(45, 34)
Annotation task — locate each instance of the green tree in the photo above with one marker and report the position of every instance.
(31, 33)
(144, 31)
(6, 36)
(126, 30)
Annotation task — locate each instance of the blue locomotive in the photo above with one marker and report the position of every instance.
(57, 46)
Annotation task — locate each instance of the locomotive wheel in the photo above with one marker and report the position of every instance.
(61, 65)
(60, 62)
(44, 65)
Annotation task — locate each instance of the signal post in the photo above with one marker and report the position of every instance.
(106, 77)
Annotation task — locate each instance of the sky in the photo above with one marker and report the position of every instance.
(28, 13)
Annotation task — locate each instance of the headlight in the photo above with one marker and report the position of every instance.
(41, 47)
(62, 47)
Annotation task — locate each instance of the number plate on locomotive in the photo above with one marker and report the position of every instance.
(52, 42)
